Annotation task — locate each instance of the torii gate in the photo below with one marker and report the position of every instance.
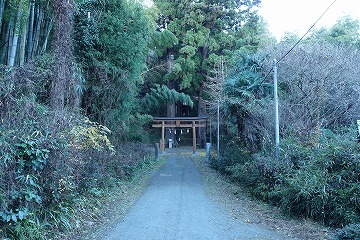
(185, 122)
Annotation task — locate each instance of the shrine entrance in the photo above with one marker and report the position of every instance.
(178, 122)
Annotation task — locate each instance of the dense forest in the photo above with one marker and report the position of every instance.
(80, 81)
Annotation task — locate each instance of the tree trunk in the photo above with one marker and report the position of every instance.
(39, 20)
(2, 7)
(5, 34)
(31, 30)
(10, 38)
(49, 26)
(15, 37)
(202, 105)
(201, 113)
(63, 50)
(45, 28)
(170, 106)
(23, 46)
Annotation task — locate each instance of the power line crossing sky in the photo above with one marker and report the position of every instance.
(298, 15)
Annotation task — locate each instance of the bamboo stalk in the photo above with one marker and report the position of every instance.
(10, 34)
(15, 37)
(36, 38)
(2, 7)
(46, 29)
(31, 29)
(4, 44)
(23, 46)
(47, 34)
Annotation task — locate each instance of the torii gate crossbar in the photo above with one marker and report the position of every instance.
(172, 122)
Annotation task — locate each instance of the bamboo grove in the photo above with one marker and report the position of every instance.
(25, 30)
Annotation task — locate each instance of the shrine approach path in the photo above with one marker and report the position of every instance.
(176, 206)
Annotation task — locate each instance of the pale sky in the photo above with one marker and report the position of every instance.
(298, 15)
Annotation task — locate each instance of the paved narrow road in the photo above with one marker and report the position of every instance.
(176, 206)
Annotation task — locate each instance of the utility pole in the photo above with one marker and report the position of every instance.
(276, 104)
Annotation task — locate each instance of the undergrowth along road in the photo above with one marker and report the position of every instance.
(115, 203)
(242, 206)
(237, 204)
(175, 206)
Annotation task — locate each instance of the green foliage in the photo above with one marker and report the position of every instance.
(308, 102)
(141, 135)
(162, 41)
(321, 182)
(254, 35)
(344, 32)
(47, 162)
(245, 80)
(27, 157)
(246, 95)
(10, 215)
(161, 94)
(31, 157)
(260, 174)
(111, 45)
(207, 33)
(90, 135)
(23, 159)
(233, 154)
(29, 228)
(43, 172)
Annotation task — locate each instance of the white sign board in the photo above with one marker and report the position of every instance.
(358, 123)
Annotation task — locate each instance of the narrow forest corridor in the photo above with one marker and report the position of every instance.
(91, 91)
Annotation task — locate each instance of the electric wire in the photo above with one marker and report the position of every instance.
(292, 48)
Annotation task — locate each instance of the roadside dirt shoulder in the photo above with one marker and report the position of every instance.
(241, 206)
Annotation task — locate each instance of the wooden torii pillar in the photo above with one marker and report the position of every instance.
(182, 122)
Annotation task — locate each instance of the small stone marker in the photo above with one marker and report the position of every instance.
(156, 145)
(208, 146)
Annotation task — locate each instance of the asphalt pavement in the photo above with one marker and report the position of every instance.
(175, 206)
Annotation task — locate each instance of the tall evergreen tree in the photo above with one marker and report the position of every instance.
(207, 32)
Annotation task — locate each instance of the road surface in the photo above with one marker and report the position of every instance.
(176, 206)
